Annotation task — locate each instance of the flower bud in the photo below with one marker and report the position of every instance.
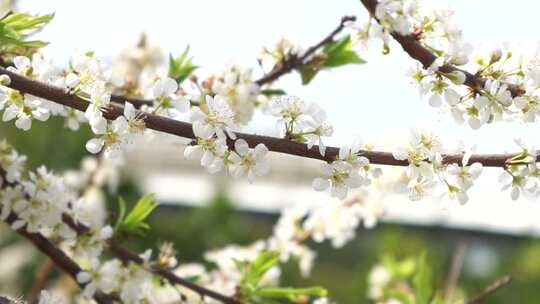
(5, 80)
(495, 56)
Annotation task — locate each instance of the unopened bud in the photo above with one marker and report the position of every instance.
(495, 56)
(5, 80)
(457, 77)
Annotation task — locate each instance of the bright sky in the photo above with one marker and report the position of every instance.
(375, 100)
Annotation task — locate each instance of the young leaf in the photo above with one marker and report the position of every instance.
(134, 221)
(180, 68)
(257, 268)
(272, 92)
(422, 281)
(121, 213)
(340, 53)
(290, 293)
(16, 27)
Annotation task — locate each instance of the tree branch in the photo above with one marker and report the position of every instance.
(286, 66)
(184, 129)
(502, 282)
(412, 46)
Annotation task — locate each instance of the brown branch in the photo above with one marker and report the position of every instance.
(412, 46)
(455, 269)
(502, 282)
(285, 66)
(184, 129)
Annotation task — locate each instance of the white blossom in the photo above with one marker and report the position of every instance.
(248, 162)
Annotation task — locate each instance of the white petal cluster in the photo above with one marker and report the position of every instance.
(378, 279)
(522, 175)
(37, 205)
(426, 169)
(248, 162)
(300, 121)
(167, 102)
(211, 130)
(236, 86)
(87, 77)
(46, 298)
(219, 117)
(22, 108)
(349, 171)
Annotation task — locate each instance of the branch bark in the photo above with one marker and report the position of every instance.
(286, 66)
(412, 46)
(184, 129)
(479, 298)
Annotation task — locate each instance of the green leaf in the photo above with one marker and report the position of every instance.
(422, 281)
(339, 52)
(272, 92)
(180, 68)
(307, 72)
(134, 221)
(22, 21)
(16, 27)
(255, 270)
(402, 297)
(290, 293)
(121, 213)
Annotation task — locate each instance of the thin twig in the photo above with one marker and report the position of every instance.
(40, 279)
(455, 270)
(412, 46)
(294, 62)
(184, 129)
(285, 66)
(502, 282)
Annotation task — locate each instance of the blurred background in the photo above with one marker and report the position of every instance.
(493, 235)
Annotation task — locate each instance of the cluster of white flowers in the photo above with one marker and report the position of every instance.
(300, 121)
(211, 129)
(426, 168)
(38, 204)
(350, 170)
(236, 86)
(22, 107)
(522, 174)
(411, 17)
(490, 103)
(167, 102)
(336, 221)
(88, 78)
(510, 89)
(378, 280)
